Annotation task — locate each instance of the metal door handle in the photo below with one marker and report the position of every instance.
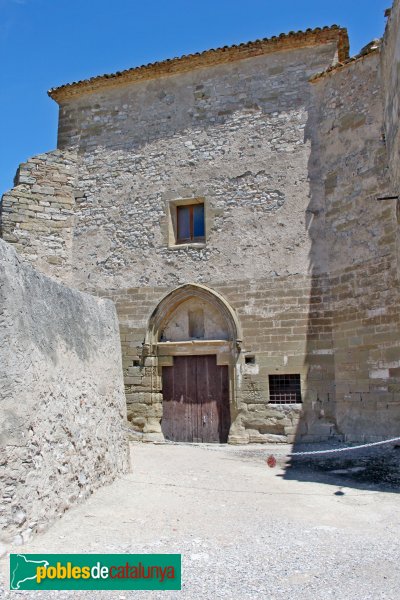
(204, 419)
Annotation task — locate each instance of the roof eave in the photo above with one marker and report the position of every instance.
(290, 41)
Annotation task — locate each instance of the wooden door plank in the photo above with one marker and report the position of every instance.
(192, 423)
(212, 424)
(182, 375)
(207, 393)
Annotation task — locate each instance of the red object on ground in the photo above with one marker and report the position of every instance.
(271, 461)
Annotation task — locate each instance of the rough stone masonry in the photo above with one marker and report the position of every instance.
(295, 279)
(62, 405)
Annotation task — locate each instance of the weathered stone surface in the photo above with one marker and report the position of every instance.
(37, 214)
(61, 397)
(240, 148)
(390, 62)
(360, 232)
(296, 241)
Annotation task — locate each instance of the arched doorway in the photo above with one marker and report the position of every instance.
(194, 335)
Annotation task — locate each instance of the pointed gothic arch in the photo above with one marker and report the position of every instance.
(170, 303)
(206, 355)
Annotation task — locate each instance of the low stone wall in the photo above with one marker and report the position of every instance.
(62, 404)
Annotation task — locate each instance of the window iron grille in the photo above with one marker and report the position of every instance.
(284, 389)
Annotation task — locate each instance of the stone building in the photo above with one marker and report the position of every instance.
(230, 204)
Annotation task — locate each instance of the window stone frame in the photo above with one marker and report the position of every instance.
(172, 229)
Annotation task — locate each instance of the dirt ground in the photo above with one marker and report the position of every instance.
(245, 531)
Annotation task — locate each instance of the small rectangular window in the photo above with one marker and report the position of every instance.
(190, 223)
(284, 389)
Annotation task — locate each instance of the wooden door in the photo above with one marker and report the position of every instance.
(196, 400)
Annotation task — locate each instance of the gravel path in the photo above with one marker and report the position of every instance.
(244, 531)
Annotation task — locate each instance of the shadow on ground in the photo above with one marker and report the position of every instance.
(372, 469)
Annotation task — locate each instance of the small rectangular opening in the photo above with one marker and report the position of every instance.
(250, 360)
(284, 389)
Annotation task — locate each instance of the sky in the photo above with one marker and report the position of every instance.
(45, 43)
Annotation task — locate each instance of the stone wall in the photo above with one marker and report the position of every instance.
(234, 134)
(360, 237)
(62, 402)
(390, 60)
(37, 215)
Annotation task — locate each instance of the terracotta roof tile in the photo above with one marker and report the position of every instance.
(369, 49)
(171, 66)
